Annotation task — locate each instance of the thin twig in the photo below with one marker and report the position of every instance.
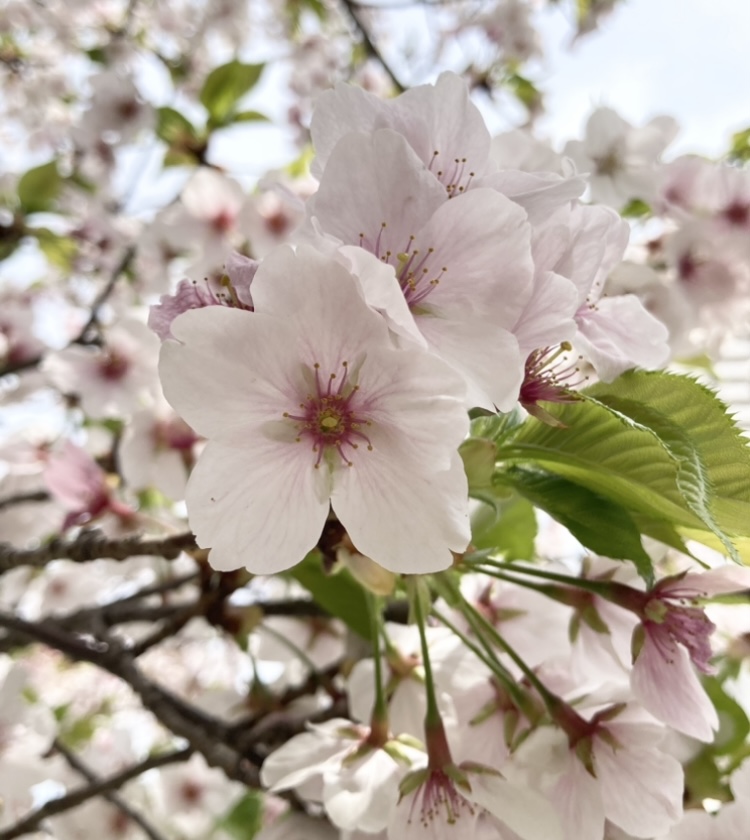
(82, 338)
(78, 797)
(111, 797)
(99, 301)
(371, 47)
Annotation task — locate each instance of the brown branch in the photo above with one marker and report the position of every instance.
(111, 797)
(372, 49)
(92, 322)
(103, 296)
(23, 498)
(208, 735)
(93, 545)
(103, 786)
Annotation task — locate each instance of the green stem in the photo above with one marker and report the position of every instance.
(499, 671)
(597, 587)
(482, 626)
(379, 721)
(432, 717)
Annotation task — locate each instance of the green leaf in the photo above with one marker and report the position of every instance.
(250, 116)
(245, 819)
(224, 86)
(598, 523)
(186, 143)
(721, 453)
(525, 91)
(339, 593)
(635, 209)
(39, 187)
(478, 456)
(510, 529)
(172, 127)
(59, 250)
(739, 151)
(660, 446)
(734, 726)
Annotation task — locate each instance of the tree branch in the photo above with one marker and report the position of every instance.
(93, 545)
(92, 321)
(208, 735)
(98, 788)
(22, 498)
(371, 47)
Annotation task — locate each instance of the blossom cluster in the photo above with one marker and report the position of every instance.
(428, 281)
(350, 499)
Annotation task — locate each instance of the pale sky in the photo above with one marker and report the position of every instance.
(689, 59)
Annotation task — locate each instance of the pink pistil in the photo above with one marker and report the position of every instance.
(328, 417)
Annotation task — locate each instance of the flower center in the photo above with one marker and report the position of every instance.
(415, 269)
(453, 174)
(330, 418)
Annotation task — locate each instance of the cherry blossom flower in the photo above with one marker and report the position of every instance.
(114, 380)
(232, 289)
(621, 158)
(156, 450)
(80, 485)
(673, 637)
(463, 264)
(306, 403)
(440, 123)
(440, 803)
(338, 764)
(611, 769)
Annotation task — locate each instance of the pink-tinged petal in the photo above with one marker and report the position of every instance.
(241, 271)
(483, 241)
(579, 802)
(523, 810)
(340, 111)
(188, 295)
(671, 691)
(225, 374)
(373, 180)
(548, 318)
(605, 129)
(433, 118)
(208, 194)
(442, 118)
(382, 292)
(725, 579)
(416, 405)
(320, 302)
(641, 789)
(402, 518)
(599, 239)
(74, 478)
(700, 825)
(618, 334)
(262, 506)
(539, 193)
(487, 356)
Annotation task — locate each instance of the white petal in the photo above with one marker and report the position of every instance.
(402, 518)
(262, 506)
(641, 789)
(525, 811)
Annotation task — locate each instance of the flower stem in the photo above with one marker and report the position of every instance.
(379, 719)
